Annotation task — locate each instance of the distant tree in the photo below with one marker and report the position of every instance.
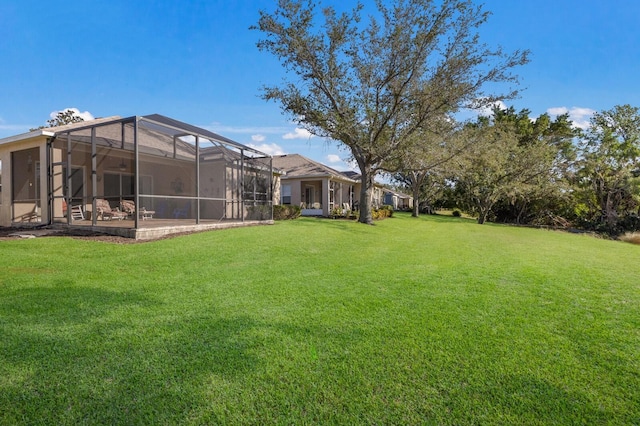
(67, 116)
(608, 171)
(547, 194)
(372, 86)
(423, 163)
(498, 166)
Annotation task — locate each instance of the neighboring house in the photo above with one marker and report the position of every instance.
(94, 174)
(377, 197)
(316, 188)
(397, 200)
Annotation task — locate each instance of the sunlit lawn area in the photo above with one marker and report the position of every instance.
(435, 320)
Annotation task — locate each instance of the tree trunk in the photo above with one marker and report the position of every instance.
(416, 201)
(482, 217)
(417, 181)
(366, 196)
(484, 209)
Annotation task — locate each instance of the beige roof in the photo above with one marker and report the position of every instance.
(81, 124)
(51, 131)
(298, 166)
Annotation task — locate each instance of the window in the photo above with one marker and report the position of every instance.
(77, 184)
(309, 192)
(286, 194)
(118, 186)
(256, 186)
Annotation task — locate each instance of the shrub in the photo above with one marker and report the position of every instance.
(382, 213)
(337, 211)
(260, 212)
(456, 213)
(284, 212)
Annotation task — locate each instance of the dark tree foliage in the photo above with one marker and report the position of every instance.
(608, 171)
(511, 161)
(548, 197)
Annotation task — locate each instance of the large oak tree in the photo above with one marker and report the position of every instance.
(371, 85)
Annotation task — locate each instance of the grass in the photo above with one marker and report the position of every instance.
(434, 320)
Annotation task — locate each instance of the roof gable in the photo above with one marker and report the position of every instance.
(298, 166)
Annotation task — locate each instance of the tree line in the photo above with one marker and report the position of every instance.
(511, 167)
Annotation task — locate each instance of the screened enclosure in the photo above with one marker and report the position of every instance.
(153, 171)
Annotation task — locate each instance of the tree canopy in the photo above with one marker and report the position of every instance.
(372, 85)
(67, 116)
(608, 170)
(512, 159)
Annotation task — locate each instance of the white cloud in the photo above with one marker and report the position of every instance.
(487, 111)
(333, 158)
(298, 133)
(557, 110)
(269, 148)
(86, 116)
(580, 116)
(222, 129)
(478, 108)
(258, 138)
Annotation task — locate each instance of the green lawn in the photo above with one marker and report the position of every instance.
(435, 320)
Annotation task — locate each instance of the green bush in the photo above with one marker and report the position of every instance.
(382, 213)
(284, 212)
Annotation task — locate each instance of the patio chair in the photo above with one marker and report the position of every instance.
(105, 212)
(77, 213)
(346, 209)
(129, 207)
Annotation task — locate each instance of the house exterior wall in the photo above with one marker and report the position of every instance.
(26, 180)
(276, 188)
(296, 191)
(5, 195)
(299, 190)
(377, 195)
(321, 192)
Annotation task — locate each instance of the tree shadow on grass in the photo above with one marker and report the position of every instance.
(532, 399)
(74, 355)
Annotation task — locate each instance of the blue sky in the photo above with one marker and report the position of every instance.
(196, 61)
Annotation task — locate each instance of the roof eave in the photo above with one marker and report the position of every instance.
(28, 135)
(330, 176)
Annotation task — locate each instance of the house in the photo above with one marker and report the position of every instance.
(139, 177)
(397, 200)
(317, 188)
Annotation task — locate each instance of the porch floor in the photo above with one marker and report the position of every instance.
(157, 228)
